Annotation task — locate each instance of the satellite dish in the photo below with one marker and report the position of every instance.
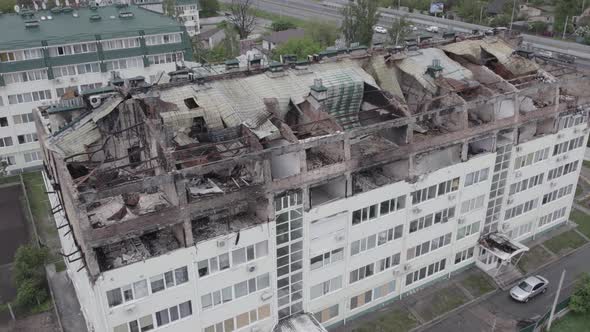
(16, 9)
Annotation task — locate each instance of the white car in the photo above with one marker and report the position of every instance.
(379, 29)
(413, 28)
(432, 28)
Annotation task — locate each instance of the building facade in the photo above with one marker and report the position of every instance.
(249, 198)
(41, 58)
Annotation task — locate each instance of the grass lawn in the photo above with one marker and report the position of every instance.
(477, 285)
(9, 179)
(583, 221)
(41, 211)
(536, 257)
(564, 242)
(442, 301)
(586, 163)
(572, 323)
(399, 320)
(579, 190)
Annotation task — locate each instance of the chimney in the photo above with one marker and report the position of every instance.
(318, 90)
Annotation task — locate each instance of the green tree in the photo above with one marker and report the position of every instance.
(399, 30)
(302, 47)
(209, 8)
(359, 19)
(501, 20)
(29, 275)
(323, 32)
(563, 9)
(282, 24)
(580, 300)
(538, 27)
(169, 7)
(471, 11)
(7, 6)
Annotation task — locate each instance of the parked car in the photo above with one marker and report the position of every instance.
(432, 28)
(379, 29)
(529, 288)
(413, 28)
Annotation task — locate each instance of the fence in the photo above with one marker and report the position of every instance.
(539, 323)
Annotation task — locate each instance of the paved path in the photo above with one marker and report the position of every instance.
(505, 312)
(66, 301)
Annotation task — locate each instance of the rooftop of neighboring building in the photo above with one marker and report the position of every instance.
(70, 25)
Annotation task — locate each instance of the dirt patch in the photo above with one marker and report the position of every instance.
(13, 226)
(45, 322)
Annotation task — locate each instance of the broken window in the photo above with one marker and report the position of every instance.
(191, 103)
(134, 154)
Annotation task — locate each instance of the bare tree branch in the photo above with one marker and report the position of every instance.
(242, 17)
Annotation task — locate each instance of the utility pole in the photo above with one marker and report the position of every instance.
(555, 301)
(512, 17)
(564, 27)
(480, 13)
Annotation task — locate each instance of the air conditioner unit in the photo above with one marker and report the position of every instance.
(576, 130)
(559, 136)
(416, 210)
(586, 130)
(395, 272)
(558, 159)
(451, 197)
(265, 296)
(461, 220)
(553, 184)
(251, 268)
(565, 157)
(505, 227)
(95, 101)
(518, 149)
(130, 307)
(510, 200)
(339, 237)
(58, 80)
(407, 267)
(220, 243)
(73, 78)
(517, 174)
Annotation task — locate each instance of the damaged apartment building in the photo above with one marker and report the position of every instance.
(295, 197)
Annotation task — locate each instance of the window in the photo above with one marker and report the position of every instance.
(364, 214)
(321, 260)
(9, 160)
(464, 255)
(5, 141)
(442, 216)
(114, 297)
(527, 183)
(468, 230)
(392, 205)
(22, 118)
(363, 244)
(326, 287)
(557, 194)
(117, 44)
(426, 247)
(29, 97)
(531, 158)
(325, 315)
(90, 86)
(136, 62)
(551, 217)
(424, 272)
(238, 290)
(69, 89)
(164, 58)
(476, 177)
(371, 295)
(72, 49)
(568, 145)
(25, 76)
(64, 71)
(33, 156)
(162, 39)
(362, 273)
(27, 138)
(431, 192)
(472, 204)
(3, 122)
(238, 256)
(562, 170)
(240, 321)
(146, 323)
(28, 54)
(388, 262)
(157, 283)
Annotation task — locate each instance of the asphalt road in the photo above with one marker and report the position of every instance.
(500, 309)
(310, 9)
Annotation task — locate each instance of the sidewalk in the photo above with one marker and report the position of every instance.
(66, 302)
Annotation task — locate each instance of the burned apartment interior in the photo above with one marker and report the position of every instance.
(145, 169)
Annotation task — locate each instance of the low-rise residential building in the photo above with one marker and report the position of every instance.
(45, 54)
(276, 38)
